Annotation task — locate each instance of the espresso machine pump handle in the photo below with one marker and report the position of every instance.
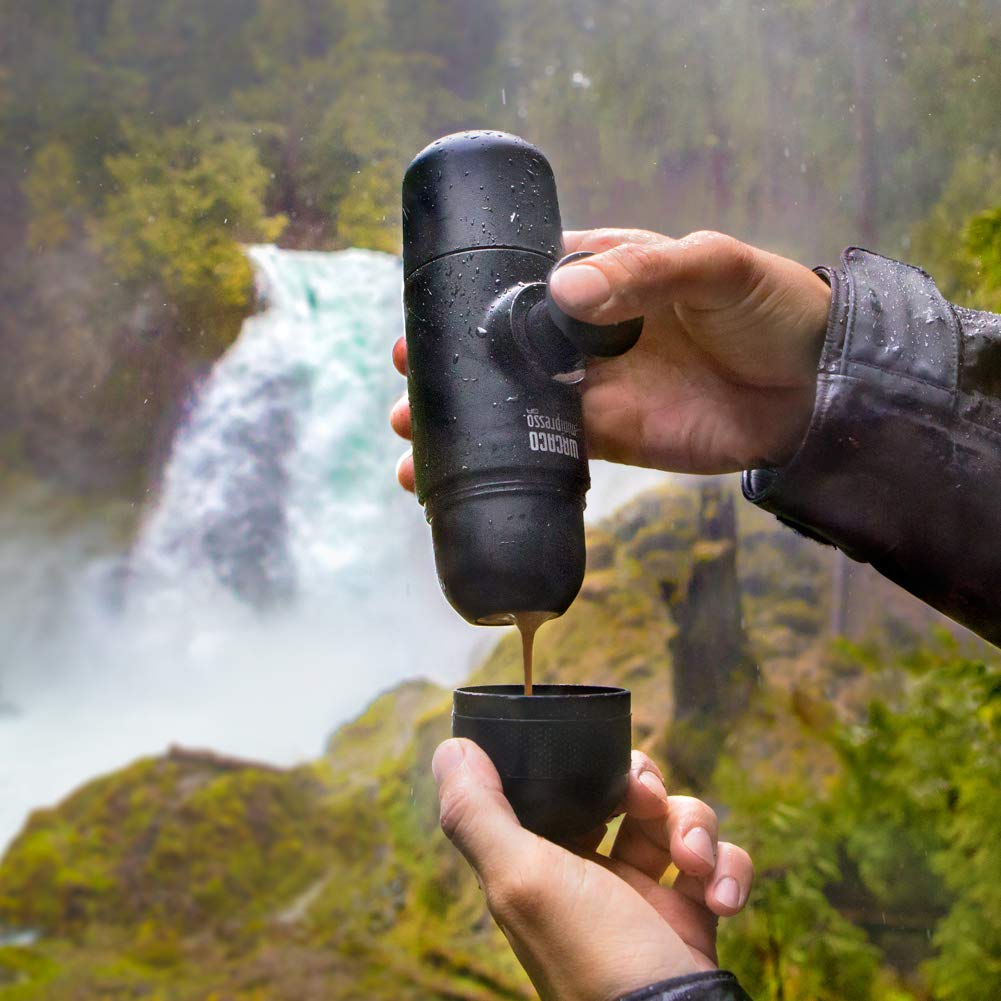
(591, 340)
(558, 343)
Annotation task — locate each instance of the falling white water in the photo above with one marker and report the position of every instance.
(278, 582)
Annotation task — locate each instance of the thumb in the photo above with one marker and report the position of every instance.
(475, 816)
(703, 270)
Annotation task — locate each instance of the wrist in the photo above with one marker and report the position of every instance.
(818, 316)
(630, 985)
(812, 330)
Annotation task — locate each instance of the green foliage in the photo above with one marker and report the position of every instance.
(927, 776)
(166, 845)
(983, 244)
(179, 206)
(750, 117)
(792, 944)
(939, 243)
(757, 144)
(901, 840)
(53, 193)
(22, 971)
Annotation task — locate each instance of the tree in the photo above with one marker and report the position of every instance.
(178, 209)
(890, 860)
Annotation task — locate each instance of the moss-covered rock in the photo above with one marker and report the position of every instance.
(359, 749)
(182, 842)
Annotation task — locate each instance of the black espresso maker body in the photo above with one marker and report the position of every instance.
(499, 452)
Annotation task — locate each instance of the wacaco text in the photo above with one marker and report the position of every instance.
(552, 434)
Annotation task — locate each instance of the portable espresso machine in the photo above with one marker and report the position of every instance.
(499, 452)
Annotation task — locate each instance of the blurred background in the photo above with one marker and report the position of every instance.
(224, 657)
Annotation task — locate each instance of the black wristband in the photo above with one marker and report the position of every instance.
(714, 985)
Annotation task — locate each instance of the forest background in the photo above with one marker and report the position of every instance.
(142, 143)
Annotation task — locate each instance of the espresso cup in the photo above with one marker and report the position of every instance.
(562, 752)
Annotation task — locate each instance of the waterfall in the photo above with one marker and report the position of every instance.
(280, 485)
(279, 579)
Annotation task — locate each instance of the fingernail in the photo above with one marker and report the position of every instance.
(651, 782)
(728, 892)
(697, 840)
(580, 287)
(446, 759)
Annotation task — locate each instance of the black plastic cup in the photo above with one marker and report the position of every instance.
(562, 752)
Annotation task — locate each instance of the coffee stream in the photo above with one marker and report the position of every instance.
(528, 624)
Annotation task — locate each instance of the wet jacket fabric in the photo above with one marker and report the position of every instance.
(901, 466)
(717, 985)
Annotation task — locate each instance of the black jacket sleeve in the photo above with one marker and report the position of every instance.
(717, 985)
(901, 465)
